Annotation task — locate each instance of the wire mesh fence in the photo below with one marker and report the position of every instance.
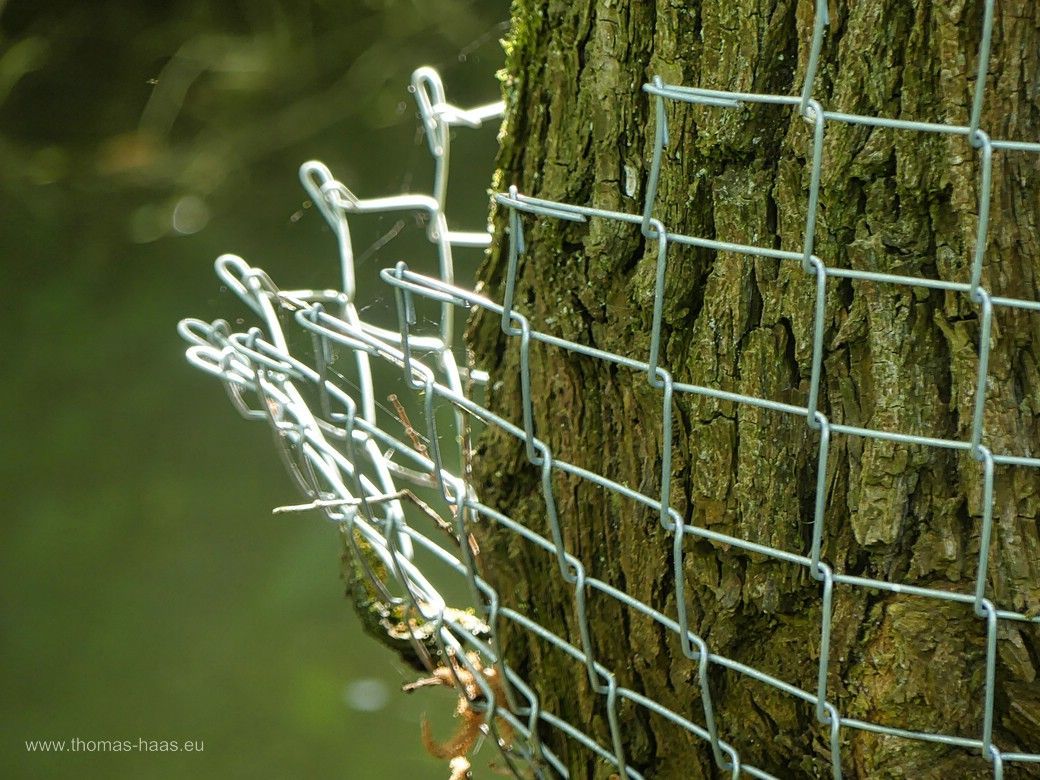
(353, 467)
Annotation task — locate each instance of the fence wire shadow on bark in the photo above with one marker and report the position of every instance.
(352, 467)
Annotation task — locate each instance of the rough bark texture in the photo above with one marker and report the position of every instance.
(896, 358)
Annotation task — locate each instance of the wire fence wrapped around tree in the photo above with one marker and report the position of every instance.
(360, 472)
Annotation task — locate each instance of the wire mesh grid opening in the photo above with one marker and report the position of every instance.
(354, 469)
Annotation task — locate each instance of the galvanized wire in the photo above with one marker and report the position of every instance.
(340, 456)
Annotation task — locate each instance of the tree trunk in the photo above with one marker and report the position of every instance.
(896, 358)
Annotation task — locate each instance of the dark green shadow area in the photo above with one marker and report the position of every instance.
(147, 591)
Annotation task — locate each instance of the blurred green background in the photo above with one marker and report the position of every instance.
(147, 591)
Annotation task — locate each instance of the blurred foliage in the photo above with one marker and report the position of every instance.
(147, 590)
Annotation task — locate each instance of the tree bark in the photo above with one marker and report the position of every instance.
(896, 358)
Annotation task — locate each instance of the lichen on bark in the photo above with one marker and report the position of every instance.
(896, 358)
